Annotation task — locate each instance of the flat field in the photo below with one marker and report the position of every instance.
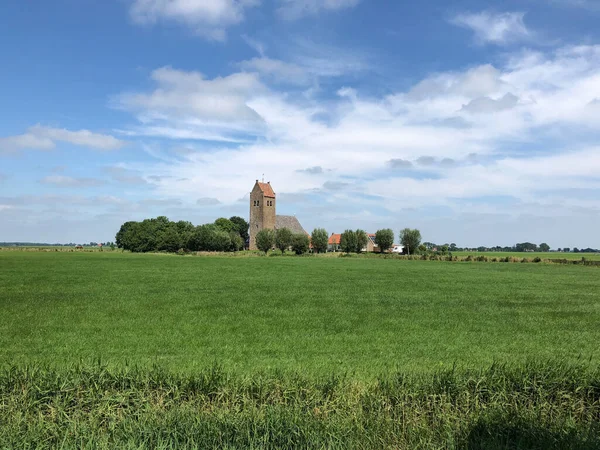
(531, 255)
(362, 317)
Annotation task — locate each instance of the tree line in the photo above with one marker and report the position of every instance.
(161, 234)
(350, 241)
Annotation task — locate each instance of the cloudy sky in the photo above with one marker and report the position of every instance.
(476, 121)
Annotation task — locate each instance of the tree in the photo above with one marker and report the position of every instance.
(241, 227)
(410, 239)
(444, 249)
(265, 239)
(202, 238)
(319, 239)
(300, 243)
(169, 240)
(453, 247)
(429, 245)
(361, 240)
(226, 225)
(121, 237)
(384, 239)
(526, 247)
(283, 239)
(544, 247)
(566, 249)
(348, 241)
(237, 243)
(221, 242)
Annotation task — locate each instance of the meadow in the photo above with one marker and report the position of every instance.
(106, 349)
(531, 255)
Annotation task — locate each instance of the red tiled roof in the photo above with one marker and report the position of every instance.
(267, 189)
(335, 239)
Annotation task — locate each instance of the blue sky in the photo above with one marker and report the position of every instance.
(477, 122)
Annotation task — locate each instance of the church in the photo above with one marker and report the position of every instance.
(263, 215)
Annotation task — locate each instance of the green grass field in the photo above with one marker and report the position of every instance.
(317, 315)
(296, 352)
(531, 255)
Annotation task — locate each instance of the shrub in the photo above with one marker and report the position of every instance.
(221, 242)
(319, 240)
(361, 240)
(265, 239)
(348, 241)
(300, 243)
(283, 239)
(237, 243)
(384, 239)
(537, 259)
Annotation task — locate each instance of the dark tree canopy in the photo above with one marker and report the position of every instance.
(544, 247)
(241, 227)
(319, 240)
(526, 247)
(225, 225)
(384, 239)
(300, 243)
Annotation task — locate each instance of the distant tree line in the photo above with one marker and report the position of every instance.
(225, 235)
(161, 234)
(46, 244)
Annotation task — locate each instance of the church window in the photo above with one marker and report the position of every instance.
(257, 202)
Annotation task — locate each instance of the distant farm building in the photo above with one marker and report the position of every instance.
(334, 244)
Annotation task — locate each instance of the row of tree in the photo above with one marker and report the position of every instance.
(356, 241)
(284, 239)
(161, 234)
(520, 247)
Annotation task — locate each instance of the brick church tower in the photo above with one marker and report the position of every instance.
(262, 210)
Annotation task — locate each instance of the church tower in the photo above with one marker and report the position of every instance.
(262, 210)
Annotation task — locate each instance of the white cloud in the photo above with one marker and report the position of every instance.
(208, 18)
(490, 105)
(125, 176)
(516, 117)
(185, 102)
(276, 69)
(207, 201)
(495, 28)
(307, 62)
(295, 9)
(44, 138)
(71, 182)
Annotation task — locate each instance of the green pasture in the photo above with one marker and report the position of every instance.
(532, 255)
(360, 316)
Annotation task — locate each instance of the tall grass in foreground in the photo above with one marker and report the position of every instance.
(549, 405)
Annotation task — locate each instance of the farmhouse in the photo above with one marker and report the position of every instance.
(263, 215)
(335, 240)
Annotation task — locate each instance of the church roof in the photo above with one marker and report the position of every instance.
(266, 189)
(289, 222)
